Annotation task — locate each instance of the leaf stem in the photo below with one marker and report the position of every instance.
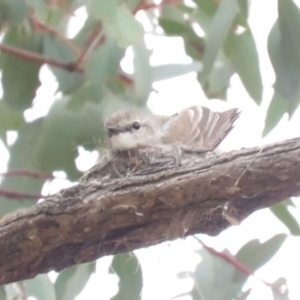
(38, 58)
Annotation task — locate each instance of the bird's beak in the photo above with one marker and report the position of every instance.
(113, 130)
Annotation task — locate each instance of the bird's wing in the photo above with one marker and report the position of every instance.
(198, 126)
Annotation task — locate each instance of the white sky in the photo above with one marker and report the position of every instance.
(161, 263)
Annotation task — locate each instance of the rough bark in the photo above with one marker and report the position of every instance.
(106, 214)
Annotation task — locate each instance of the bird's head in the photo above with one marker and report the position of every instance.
(128, 129)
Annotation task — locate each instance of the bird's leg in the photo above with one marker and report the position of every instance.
(151, 158)
(116, 170)
(177, 152)
(208, 153)
(193, 149)
(162, 156)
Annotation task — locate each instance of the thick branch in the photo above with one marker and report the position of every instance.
(103, 215)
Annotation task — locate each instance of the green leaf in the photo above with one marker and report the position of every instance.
(255, 254)
(213, 271)
(204, 20)
(218, 81)
(244, 8)
(81, 96)
(172, 27)
(20, 77)
(208, 6)
(83, 35)
(119, 22)
(128, 30)
(90, 126)
(242, 53)
(281, 211)
(9, 120)
(276, 110)
(41, 9)
(57, 49)
(2, 293)
(131, 4)
(172, 13)
(219, 30)
(284, 51)
(112, 103)
(168, 71)
(103, 64)
(24, 154)
(57, 144)
(126, 266)
(14, 291)
(40, 287)
(194, 45)
(288, 20)
(70, 282)
(142, 71)
(107, 10)
(13, 12)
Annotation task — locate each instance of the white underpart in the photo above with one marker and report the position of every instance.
(123, 141)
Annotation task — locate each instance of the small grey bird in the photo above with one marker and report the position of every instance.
(192, 129)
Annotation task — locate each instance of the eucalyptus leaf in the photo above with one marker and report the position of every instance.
(20, 77)
(242, 53)
(142, 71)
(70, 282)
(24, 154)
(168, 71)
(2, 293)
(126, 266)
(54, 47)
(40, 287)
(276, 110)
(280, 210)
(103, 65)
(9, 120)
(217, 35)
(118, 21)
(218, 81)
(13, 12)
(213, 271)
(284, 51)
(255, 254)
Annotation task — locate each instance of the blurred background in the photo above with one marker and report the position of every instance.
(66, 65)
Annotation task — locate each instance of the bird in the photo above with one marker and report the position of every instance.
(196, 128)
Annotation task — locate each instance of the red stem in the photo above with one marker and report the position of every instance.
(29, 173)
(231, 260)
(147, 6)
(89, 43)
(41, 26)
(19, 195)
(28, 55)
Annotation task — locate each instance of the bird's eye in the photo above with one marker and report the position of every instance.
(136, 125)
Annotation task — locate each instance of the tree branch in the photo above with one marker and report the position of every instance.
(38, 58)
(19, 195)
(38, 25)
(28, 173)
(105, 214)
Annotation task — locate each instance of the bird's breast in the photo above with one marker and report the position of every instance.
(122, 141)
